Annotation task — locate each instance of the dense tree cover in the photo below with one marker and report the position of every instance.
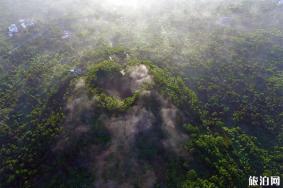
(228, 159)
(231, 97)
(31, 109)
(237, 89)
(220, 156)
(241, 88)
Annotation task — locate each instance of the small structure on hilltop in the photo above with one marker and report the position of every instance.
(22, 25)
(12, 30)
(26, 23)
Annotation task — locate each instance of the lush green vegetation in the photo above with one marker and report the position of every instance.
(219, 75)
(230, 158)
(98, 75)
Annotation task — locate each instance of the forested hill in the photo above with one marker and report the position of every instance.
(140, 94)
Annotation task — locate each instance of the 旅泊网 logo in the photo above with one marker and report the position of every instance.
(264, 181)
